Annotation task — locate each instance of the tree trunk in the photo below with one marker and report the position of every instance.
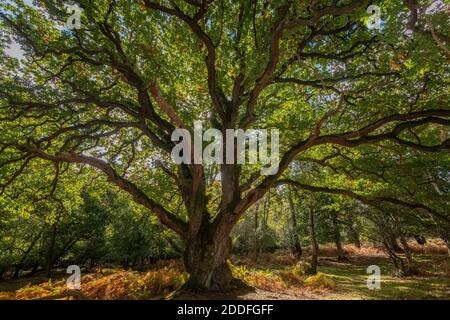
(420, 239)
(295, 245)
(444, 234)
(50, 253)
(337, 239)
(394, 244)
(356, 240)
(205, 259)
(256, 237)
(354, 235)
(412, 266)
(399, 265)
(314, 245)
(18, 266)
(17, 269)
(34, 269)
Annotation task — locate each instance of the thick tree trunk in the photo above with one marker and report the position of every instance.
(295, 246)
(205, 259)
(314, 244)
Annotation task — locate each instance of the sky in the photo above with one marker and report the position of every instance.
(15, 51)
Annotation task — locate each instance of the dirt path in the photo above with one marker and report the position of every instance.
(255, 294)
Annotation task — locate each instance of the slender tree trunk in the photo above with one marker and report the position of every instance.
(399, 265)
(420, 239)
(264, 221)
(34, 269)
(394, 244)
(445, 236)
(295, 246)
(356, 240)
(354, 235)
(50, 252)
(256, 224)
(409, 258)
(337, 238)
(17, 269)
(314, 245)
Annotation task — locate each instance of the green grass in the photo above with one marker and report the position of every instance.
(351, 278)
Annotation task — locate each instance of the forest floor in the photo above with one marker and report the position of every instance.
(350, 281)
(270, 277)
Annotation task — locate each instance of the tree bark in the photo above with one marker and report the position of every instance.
(314, 245)
(205, 259)
(295, 246)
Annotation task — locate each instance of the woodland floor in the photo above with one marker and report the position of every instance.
(263, 277)
(350, 277)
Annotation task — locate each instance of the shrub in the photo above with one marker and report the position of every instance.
(123, 285)
(260, 279)
(320, 280)
(7, 296)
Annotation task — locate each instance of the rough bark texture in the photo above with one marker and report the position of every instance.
(205, 260)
